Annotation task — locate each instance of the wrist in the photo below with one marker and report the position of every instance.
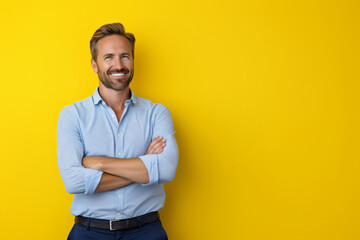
(99, 164)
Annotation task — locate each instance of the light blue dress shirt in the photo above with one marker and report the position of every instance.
(90, 128)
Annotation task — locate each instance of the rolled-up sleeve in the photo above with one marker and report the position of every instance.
(70, 151)
(162, 167)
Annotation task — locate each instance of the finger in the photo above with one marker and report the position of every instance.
(159, 144)
(152, 146)
(155, 142)
(156, 148)
(159, 147)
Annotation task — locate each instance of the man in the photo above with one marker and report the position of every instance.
(112, 152)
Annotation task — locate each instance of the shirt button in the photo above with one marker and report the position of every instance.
(119, 195)
(113, 115)
(119, 134)
(119, 154)
(118, 214)
(103, 103)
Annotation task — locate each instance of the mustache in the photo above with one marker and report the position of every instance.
(122, 70)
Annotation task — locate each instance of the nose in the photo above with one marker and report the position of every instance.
(118, 63)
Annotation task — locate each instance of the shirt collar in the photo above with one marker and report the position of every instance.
(133, 98)
(97, 98)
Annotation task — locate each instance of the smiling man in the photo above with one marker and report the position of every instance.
(116, 150)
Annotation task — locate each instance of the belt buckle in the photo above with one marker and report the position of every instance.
(127, 221)
(111, 226)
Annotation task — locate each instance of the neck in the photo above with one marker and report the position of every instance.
(114, 99)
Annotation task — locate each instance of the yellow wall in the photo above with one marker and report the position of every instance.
(265, 100)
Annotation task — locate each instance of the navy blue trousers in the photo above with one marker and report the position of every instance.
(150, 231)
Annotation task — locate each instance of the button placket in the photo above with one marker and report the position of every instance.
(120, 205)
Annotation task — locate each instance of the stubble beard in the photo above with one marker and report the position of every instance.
(104, 77)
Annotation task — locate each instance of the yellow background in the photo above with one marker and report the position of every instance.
(264, 97)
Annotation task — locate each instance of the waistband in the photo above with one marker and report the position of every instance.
(118, 224)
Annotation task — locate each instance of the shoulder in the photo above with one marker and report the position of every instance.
(151, 107)
(76, 109)
(78, 106)
(158, 115)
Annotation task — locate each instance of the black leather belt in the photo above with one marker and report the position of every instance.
(119, 224)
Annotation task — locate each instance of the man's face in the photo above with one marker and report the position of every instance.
(114, 63)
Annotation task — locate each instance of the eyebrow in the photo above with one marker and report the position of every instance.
(112, 54)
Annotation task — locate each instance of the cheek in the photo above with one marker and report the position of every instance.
(103, 67)
(129, 66)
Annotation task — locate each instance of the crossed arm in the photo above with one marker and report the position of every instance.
(121, 172)
(85, 175)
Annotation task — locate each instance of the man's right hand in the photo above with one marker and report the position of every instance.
(156, 146)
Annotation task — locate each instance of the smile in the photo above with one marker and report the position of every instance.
(117, 74)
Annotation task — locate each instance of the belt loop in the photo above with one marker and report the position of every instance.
(139, 221)
(88, 224)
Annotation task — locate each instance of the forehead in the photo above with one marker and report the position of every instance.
(113, 44)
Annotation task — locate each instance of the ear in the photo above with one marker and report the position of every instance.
(94, 65)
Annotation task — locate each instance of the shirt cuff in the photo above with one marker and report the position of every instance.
(92, 179)
(151, 163)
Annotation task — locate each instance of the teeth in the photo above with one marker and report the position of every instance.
(118, 74)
